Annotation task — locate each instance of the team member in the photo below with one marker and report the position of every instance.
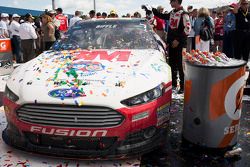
(179, 29)
(28, 35)
(16, 40)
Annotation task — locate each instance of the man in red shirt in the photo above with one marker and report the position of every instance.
(63, 20)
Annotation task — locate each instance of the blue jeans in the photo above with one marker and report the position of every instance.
(16, 48)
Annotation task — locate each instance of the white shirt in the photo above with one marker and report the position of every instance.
(27, 31)
(3, 28)
(14, 28)
(74, 20)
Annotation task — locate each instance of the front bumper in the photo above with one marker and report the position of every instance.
(133, 145)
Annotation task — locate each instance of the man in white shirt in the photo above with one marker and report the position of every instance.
(15, 37)
(75, 18)
(28, 35)
(4, 25)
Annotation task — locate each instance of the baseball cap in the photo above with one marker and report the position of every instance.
(59, 10)
(4, 15)
(52, 12)
(15, 15)
(232, 5)
(112, 11)
(92, 12)
(29, 15)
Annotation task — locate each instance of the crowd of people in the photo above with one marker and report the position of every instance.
(30, 36)
(226, 30)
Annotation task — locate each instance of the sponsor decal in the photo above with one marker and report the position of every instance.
(67, 132)
(163, 114)
(88, 66)
(106, 26)
(140, 116)
(233, 99)
(231, 129)
(103, 55)
(6, 64)
(228, 93)
(67, 93)
(5, 45)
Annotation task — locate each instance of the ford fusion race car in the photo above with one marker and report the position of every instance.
(102, 91)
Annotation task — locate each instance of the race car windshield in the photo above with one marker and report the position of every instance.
(110, 34)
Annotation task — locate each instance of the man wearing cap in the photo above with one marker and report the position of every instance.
(4, 25)
(28, 35)
(242, 34)
(63, 20)
(15, 39)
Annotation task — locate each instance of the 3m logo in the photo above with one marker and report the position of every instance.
(5, 45)
(104, 55)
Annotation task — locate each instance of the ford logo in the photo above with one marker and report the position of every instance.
(67, 93)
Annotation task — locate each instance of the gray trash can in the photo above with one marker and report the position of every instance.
(6, 59)
(212, 104)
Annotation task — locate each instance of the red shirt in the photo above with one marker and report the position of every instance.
(219, 22)
(160, 23)
(63, 22)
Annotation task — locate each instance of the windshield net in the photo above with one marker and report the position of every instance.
(110, 34)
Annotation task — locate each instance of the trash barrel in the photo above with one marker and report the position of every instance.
(212, 104)
(6, 59)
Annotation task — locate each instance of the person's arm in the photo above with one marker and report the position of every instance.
(51, 30)
(161, 15)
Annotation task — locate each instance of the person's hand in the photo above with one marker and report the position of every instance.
(146, 7)
(175, 43)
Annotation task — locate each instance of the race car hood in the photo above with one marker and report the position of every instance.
(83, 76)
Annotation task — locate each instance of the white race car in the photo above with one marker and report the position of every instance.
(103, 91)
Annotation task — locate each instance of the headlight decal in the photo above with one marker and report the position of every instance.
(145, 97)
(10, 95)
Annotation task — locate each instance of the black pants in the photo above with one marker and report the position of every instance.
(28, 49)
(175, 62)
(228, 47)
(48, 45)
(16, 48)
(242, 45)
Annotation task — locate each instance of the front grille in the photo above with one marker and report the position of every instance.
(75, 143)
(69, 116)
